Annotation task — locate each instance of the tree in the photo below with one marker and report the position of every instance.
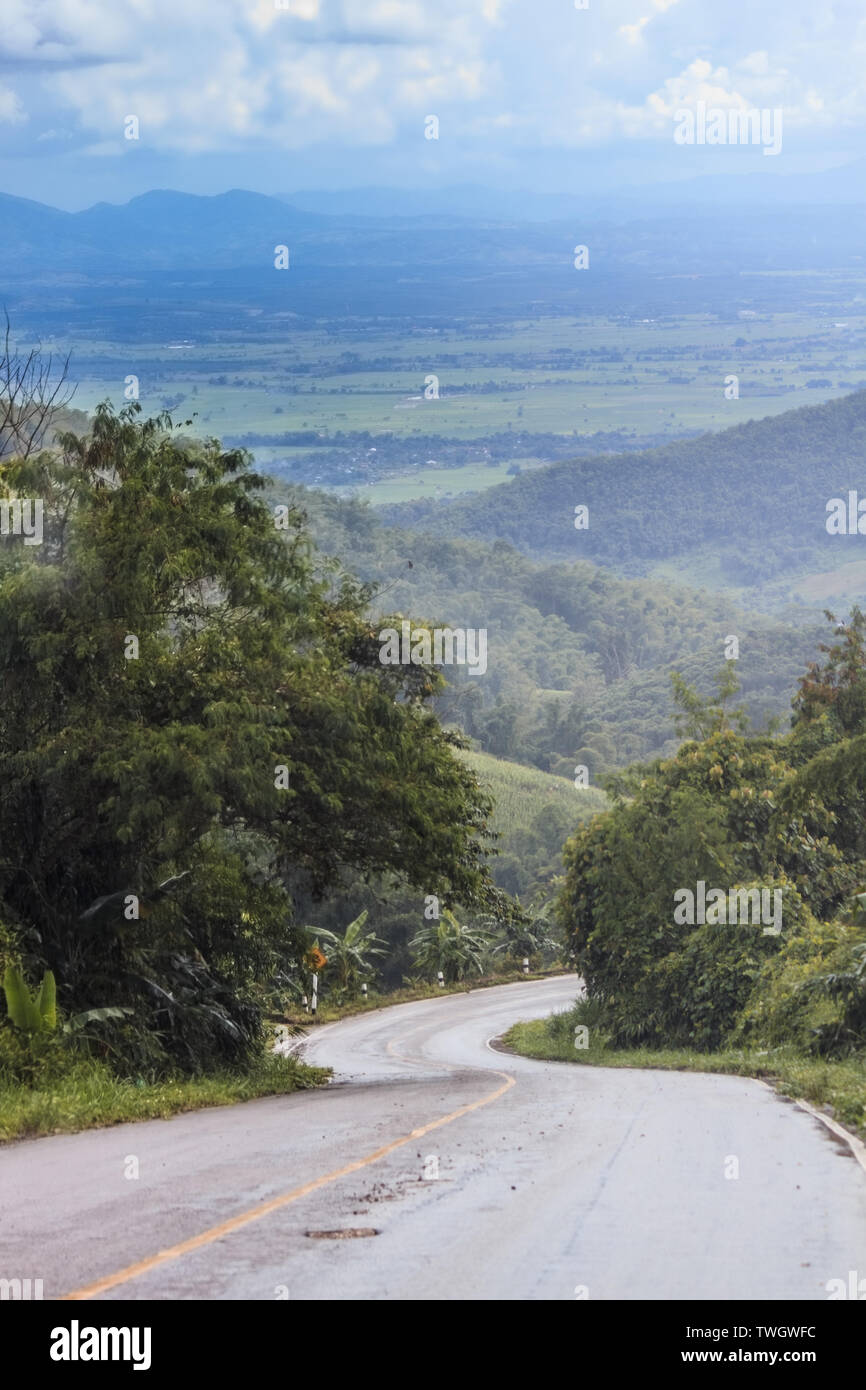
(350, 958)
(33, 389)
(722, 812)
(187, 696)
(838, 686)
(699, 718)
(449, 946)
(528, 935)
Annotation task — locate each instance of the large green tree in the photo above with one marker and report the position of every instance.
(733, 812)
(193, 717)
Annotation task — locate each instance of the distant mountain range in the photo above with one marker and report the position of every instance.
(700, 225)
(842, 186)
(161, 229)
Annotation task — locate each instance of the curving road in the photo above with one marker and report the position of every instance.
(484, 1176)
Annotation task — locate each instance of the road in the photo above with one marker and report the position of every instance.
(527, 1181)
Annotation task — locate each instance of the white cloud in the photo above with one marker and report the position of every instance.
(757, 63)
(11, 110)
(218, 74)
(233, 75)
(633, 31)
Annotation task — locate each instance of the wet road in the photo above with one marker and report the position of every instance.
(482, 1175)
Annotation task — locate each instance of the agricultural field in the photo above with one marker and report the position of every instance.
(522, 792)
(846, 582)
(342, 403)
(440, 483)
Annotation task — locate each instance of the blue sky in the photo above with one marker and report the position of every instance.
(533, 94)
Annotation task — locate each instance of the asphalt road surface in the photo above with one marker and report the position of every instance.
(477, 1175)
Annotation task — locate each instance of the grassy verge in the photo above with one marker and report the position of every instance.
(90, 1095)
(838, 1086)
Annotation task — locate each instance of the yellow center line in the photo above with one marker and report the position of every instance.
(246, 1218)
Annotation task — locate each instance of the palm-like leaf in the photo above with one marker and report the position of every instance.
(449, 946)
(32, 1013)
(351, 954)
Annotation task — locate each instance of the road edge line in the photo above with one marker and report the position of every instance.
(857, 1147)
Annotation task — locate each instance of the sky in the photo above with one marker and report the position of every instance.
(279, 95)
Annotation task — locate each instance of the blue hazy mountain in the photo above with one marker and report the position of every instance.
(701, 224)
(840, 187)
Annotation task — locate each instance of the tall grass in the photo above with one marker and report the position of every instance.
(90, 1095)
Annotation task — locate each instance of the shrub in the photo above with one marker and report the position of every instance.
(33, 1059)
(704, 986)
(780, 1010)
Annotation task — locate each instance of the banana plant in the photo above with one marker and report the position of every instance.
(32, 1013)
(351, 954)
(449, 946)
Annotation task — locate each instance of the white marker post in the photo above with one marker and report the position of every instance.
(526, 965)
(364, 991)
(441, 978)
(315, 999)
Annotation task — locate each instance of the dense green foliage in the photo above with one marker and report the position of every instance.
(452, 948)
(578, 661)
(734, 812)
(194, 723)
(351, 955)
(533, 814)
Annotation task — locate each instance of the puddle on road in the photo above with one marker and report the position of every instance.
(349, 1233)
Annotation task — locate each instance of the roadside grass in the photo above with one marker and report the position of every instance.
(839, 1086)
(90, 1096)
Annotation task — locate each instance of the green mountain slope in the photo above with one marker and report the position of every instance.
(745, 507)
(579, 660)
